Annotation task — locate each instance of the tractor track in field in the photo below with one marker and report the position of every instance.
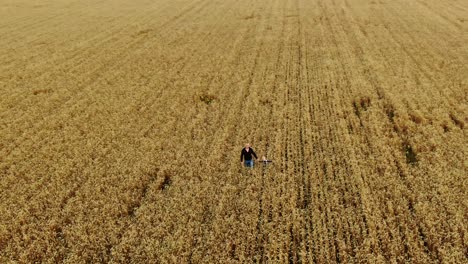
(260, 236)
(231, 138)
(380, 93)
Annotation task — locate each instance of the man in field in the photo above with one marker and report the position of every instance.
(246, 156)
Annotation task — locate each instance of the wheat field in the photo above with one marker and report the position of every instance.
(121, 125)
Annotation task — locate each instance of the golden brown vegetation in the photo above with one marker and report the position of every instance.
(121, 123)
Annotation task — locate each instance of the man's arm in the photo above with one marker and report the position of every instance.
(242, 154)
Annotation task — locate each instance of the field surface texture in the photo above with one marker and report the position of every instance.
(122, 122)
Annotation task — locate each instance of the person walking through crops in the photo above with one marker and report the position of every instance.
(246, 156)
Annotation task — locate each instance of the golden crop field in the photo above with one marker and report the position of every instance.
(122, 122)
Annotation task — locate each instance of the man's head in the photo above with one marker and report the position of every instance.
(247, 145)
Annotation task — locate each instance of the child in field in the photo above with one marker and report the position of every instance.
(265, 160)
